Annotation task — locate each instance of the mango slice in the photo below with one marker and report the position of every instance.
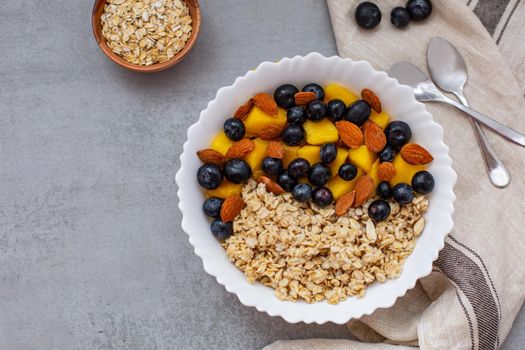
(255, 157)
(225, 190)
(373, 173)
(332, 91)
(221, 143)
(290, 153)
(310, 153)
(321, 132)
(257, 119)
(340, 187)
(340, 158)
(380, 119)
(362, 157)
(404, 171)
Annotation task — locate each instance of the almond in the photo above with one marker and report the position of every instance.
(364, 187)
(243, 110)
(271, 185)
(350, 133)
(266, 103)
(415, 154)
(371, 98)
(211, 156)
(240, 149)
(386, 171)
(275, 150)
(270, 132)
(304, 97)
(231, 207)
(344, 203)
(375, 138)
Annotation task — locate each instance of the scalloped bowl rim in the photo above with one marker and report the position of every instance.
(400, 103)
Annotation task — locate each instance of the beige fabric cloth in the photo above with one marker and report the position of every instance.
(478, 283)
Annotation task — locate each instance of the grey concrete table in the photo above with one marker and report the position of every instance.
(92, 255)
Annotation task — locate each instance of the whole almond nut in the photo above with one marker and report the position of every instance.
(344, 203)
(266, 103)
(240, 149)
(270, 132)
(211, 156)
(386, 171)
(271, 185)
(275, 150)
(371, 98)
(375, 138)
(243, 110)
(350, 133)
(231, 207)
(415, 154)
(364, 187)
(304, 97)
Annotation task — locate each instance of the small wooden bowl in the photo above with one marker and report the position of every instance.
(195, 14)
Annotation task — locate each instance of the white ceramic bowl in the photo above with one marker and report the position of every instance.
(399, 103)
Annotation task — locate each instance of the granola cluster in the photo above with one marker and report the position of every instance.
(306, 252)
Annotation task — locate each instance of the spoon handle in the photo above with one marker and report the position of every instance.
(497, 127)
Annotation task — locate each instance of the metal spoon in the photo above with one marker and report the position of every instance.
(449, 71)
(425, 90)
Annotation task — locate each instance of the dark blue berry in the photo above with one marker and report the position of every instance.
(286, 181)
(319, 174)
(237, 171)
(302, 192)
(419, 9)
(328, 153)
(387, 154)
(399, 17)
(296, 115)
(293, 135)
(221, 230)
(234, 129)
(367, 15)
(284, 96)
(379, 210)
(398, 134)
(298, 167)
(347, 171)
(358, 112)
(322, 196)
(423, 182)
(272, 166)
(209, 176)
(335, 110)
(212, 207)
(315, 88)
(403, 193)
(384, 190)
(315, 110)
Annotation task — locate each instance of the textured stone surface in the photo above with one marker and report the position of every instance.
(92, 255)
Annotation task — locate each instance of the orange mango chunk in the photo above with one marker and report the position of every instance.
(380, 119)
(321, 132)
(340, 187)
(404, 171)
(257, 119)
(340, 158)
(290, 153)
(310, 153)
(221, 143)
(362, 157)
(255, 157)
(334, 90)
(225, 190)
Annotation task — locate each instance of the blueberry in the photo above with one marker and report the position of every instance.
(286, 181)
(347, 171)
(328, 153)
(358, 112)
(237, 171)
(315, 110)
(379, 210)
(419, 9)
(298, 168)
(387, 154)
(399, 17)
(335, 110)
(319, 174)
(272, 166)
(209, 176)
(423, 182)
(221, 230)
(302, 192)
(398, 134)
(234, 129)
(403, 193)
(367, 15)
(322, 196)
(384, 190)
(212, 207)
(316, 88)
(296, 115)
(293, 135)
(284, 96)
